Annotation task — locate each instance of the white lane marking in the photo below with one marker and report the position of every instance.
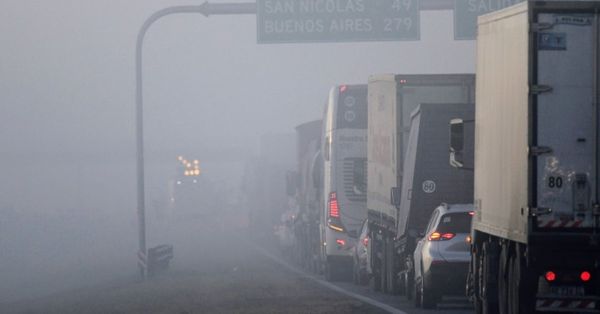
(331, 286)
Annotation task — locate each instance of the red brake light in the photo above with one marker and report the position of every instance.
(550, 276)
(334, 209)
(436, 236)
(340, 242)
(585, 276)
(343, 88)
(448, 236)
(365, 241)
(471, 213)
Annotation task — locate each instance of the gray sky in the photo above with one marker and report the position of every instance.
(67, 81)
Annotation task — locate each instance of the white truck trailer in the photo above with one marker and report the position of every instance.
(536, 226)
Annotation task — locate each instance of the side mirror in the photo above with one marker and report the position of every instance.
(395, 196)
(457, 142)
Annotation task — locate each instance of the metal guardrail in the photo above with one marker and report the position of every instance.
(156, 260)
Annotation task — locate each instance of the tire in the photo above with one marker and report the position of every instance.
(391, 279)
(521, 291)
(402, 285)
(358, 277)
(409, 278)
(383, 268)
(489, 268)
(476, 279)
(331, 272)
(377, 281)
(363, 279)
(503, 280)
(355, 272)
(416, 288)
(429, 296)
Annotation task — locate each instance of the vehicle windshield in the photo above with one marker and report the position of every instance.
(352, 107)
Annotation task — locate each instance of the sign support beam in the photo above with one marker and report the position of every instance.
(205, 9)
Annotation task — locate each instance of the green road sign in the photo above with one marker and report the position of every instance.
(467, 11)
(295, 21)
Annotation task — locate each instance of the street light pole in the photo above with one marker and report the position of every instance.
(205, 9)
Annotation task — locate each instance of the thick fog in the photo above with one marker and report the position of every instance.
(67, 123)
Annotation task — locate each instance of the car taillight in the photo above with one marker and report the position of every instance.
(550, 276)
(437, 236)
(340, 242)
(365, 241)
(585, 276)
(343, 88)
(334, 209)
(334, 222)
(448, 236)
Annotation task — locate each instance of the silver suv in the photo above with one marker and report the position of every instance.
(442, 255)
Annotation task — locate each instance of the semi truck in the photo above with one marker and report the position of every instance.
(428, 182)
(535, 235)
(263, 184)
(304, 185)
(392, 99)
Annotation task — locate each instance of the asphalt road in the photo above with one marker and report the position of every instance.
(217, 272)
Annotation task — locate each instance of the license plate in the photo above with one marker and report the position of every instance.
(568, 291)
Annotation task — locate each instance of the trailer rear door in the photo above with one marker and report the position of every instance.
(566, 119)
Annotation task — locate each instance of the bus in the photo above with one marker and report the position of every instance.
(344, 151)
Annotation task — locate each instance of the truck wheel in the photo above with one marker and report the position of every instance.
(521, 295)
(376, 262)
(473, 281)
(383, 268)
(503, 280)
(376, 281)
(363, 279)
(382, 281)
(391, 279)
(409, 278)
(330, 271)
(356, 271)
(354, 274)
(402, 286)
(489, 271)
